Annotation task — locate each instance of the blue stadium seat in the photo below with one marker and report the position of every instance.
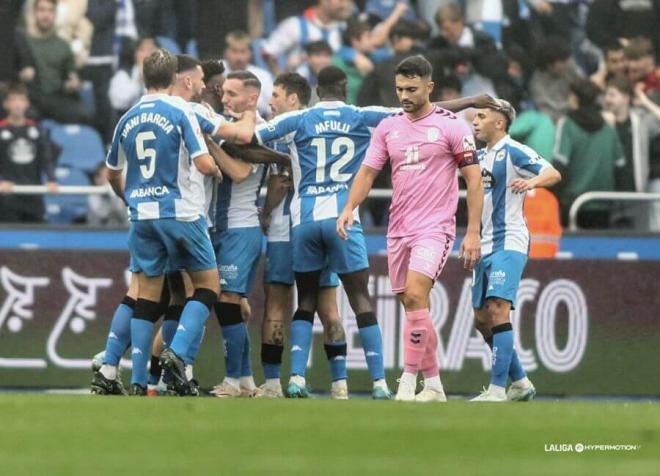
(191, 48)
(169, 44)
(67, 209)
(81, 146)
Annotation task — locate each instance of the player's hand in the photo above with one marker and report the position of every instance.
(6, 186)
(470, 250)
(246, 310)
(521, 185)
(344, 223)
(485, 101)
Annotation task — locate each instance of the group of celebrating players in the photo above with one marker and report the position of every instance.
(189, 160)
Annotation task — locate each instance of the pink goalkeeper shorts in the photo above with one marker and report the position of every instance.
(426, 254)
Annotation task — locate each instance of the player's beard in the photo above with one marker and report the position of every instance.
(411, 107)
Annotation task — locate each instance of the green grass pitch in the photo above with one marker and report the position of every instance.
(85, 435)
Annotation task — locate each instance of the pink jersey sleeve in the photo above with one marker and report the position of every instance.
(462, 144)
(377, 154)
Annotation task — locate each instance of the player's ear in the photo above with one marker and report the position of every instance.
(430, 85)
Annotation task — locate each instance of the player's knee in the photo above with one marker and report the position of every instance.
(414, 299)
(147, 310)
(497, 309)
(208, 297)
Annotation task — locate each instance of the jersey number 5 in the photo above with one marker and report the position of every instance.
(147, 153)
(335, 149)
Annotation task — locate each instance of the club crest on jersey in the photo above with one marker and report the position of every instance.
(500, 155)
(432, 134)
(468, 143)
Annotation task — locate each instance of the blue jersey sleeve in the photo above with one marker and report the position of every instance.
(527, 162)
(192, 134)
(372, 115)
(116, 159)
(209, 121)
(279, 127)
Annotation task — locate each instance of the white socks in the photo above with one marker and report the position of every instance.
(234, 382)
(247, 382)
(522, 383)
(433, 382)
(340, 384)
(497, 390)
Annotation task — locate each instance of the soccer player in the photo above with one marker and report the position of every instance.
(237, 240)
(508, 170)
(291, 92)
(425, 146)
(160, 143)
(327, 143)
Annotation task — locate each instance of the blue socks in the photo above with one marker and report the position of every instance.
(516, 370)
(502, 354)
(301, 341)
(190, 357)
(141, 335)
(191, 325)
(170, 323)
(336, 353)
(372, 343)
(119, 336)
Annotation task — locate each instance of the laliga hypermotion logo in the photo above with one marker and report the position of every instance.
(79, 309)
(16, 309)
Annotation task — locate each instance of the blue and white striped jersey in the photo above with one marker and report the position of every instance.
(503, 225)
(327, 144)
(235, 204)
(157, 140)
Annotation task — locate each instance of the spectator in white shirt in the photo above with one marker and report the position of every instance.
(126, 86)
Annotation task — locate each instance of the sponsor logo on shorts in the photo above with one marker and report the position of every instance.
(228, 271)
(497, 277)
(425, 253)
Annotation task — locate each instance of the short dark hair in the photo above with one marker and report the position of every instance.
(246, 77)
(332, 82)
(53, 2)
(612, 45)
(16, 89)
(212, 68)
(403, 29)
(317, 48)
(295, 83)
(415, 66)
(553, 49)
(450, 11)
(622, 84)
(186, 63)
(354, 30)
(450, 81)
(159, 69)
(586, 91)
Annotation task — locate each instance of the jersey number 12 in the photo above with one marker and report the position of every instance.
(336, 147)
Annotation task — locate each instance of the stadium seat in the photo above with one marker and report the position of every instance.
(87, 97)
(67, 209)
(191, 48)
(81, 146)
(169, 44)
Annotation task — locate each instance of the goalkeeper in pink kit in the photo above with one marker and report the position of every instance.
(425, 145)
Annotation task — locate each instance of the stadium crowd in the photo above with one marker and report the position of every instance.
(582, 75)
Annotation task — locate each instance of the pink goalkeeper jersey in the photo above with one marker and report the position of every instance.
(424, 155)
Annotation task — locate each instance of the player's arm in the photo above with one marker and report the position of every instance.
(194, 142)
(533, 170)
(239, 132)
(277, 188)
(256, 153)
(116, 180)
(480, 101)
(362, 184)
(236, 169)
(471, 245)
